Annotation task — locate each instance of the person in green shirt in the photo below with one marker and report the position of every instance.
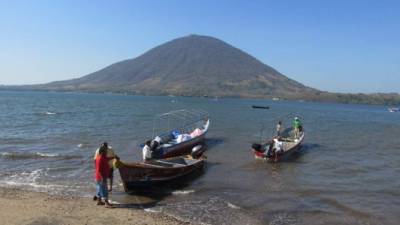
(297, 126)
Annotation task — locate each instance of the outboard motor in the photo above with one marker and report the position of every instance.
(197, 151)
(156, 151)
(257, 147)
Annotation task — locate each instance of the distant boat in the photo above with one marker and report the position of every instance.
(259, 107)
(394, 109)
(136, 176)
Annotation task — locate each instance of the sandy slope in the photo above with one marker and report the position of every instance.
(22, 207)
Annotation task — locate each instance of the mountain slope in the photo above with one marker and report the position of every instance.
(193, 66)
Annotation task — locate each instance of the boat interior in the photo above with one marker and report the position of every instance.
(174, 162)
(288, 141)
(170, 139)
(179, 126)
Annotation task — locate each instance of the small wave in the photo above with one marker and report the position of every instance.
(230, 205)
(33, 186)
(46, 154)
(152, 210)
(18, 141)
(183, 192)
(34, 181)
(283, 218)
(25, 178)
(26, 155)
(33, 155)
(209, 210)
(84, 145)
(50, 113)
(114, 202)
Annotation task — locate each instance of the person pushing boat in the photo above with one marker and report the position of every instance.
(111, 156)
(102, 172)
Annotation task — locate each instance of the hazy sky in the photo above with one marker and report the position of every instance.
(346, 46)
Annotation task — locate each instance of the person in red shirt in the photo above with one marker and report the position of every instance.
(111, 156)
(102, 172)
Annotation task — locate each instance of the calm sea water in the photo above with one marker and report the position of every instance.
(348, 171)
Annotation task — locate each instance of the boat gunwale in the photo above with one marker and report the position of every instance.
(143, 179)
(145, 165)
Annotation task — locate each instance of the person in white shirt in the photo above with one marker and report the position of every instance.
(146, 151)
(279, 129)
(278, 145)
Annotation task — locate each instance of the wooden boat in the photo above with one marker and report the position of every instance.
(136, 176)
(266, 151)
(259, 107)
(192, 126)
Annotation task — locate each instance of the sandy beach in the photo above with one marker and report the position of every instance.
(24, 207)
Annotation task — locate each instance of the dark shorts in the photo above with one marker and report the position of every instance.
(111, 173)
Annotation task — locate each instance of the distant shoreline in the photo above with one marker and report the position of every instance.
(384, 99)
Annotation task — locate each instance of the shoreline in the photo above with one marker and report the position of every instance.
(386, 99)
(27, 207)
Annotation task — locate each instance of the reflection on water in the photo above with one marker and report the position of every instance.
(347, 171)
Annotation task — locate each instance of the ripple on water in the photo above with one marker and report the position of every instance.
(212, 210)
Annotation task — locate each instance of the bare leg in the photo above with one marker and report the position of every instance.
(111, 179)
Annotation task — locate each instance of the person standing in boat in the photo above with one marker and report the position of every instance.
(279, 129)
(102, 172)
(297, 126)
(278, 146)
(111, 156)
(146, 151)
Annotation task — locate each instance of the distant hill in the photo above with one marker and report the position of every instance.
(192, 66)
(197, 66)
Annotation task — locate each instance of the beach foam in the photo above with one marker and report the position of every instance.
(33, 181)
(230, 205)
(182, 192)
(152, 210)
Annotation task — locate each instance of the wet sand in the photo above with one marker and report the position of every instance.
(24, 207)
